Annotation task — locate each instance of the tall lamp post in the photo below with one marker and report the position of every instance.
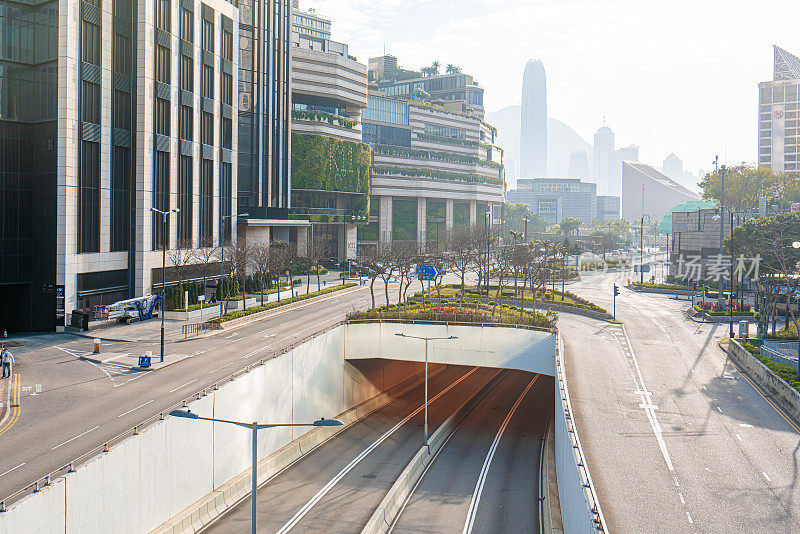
(641, 247)
(222, 253)
(425, 339)
(164, 239)
(488, 239)
(526, 220)
(187, 414)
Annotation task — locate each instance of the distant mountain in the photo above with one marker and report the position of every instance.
(561, 142)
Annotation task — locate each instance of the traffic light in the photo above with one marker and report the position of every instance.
(616, 290)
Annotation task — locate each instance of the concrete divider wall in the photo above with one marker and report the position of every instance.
(580, 510)
(488, 346)
(149, 478)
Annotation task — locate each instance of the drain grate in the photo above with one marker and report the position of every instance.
(369, 476)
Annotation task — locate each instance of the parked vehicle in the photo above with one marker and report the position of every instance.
(132, 310)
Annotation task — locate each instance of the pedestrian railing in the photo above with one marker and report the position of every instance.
(195, 329)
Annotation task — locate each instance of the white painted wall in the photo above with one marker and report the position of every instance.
(487, 346)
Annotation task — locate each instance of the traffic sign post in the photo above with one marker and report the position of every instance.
(427, 273)
(616, 292)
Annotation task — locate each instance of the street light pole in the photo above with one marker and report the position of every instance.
(164, 239)
(426, 339)
(488, 238)
(255, 427)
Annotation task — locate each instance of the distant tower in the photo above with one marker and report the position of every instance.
(603, 148)
(673, 167)
(533, 134)
(579, 165)
(628, 153)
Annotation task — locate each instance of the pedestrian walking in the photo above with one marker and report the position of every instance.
(8, 360)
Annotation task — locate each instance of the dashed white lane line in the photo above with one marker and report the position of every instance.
(720, 409)
(745, 425)
(683, 501)
(223, 367)
(73, 439)
(183, 386)
(134, 409)
(738, 437)
(766, 476)
(13, 468)
(689, 517)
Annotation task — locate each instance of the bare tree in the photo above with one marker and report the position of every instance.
(405, 258)
(368, 257)
(385, 257)
(461, 255)
(206, 256)
(260, 263)
(240, 257)
(180, 258)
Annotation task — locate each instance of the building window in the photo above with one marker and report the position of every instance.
(90, 102)
(208, 81)
(187, 25)
(227, 45)
(226, 133)
(187, 123)
(122, 110)
(160, 198)
(162, 116)
(187, 73)
(163, 15)
(162, 64)
(122, 54)
(90, 47)
(208, 35)
(206, 200)
(185, 194)
(120, 198)
(227, 88)
(207, 128)
(226, 196)
(89, 198)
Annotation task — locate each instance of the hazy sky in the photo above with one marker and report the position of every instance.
(677, 76)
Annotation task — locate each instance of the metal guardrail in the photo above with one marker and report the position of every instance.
(199, 328)
(586, 480)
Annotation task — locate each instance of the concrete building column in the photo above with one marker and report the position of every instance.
(422, 221)
(348, 235)
(385, 220)
(302, 240)
(473, 208)
(448, 216)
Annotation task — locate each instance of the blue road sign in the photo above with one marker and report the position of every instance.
(144, 361)
(427, 273)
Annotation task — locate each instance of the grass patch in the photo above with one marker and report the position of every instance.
(673, 287)
(452, 292)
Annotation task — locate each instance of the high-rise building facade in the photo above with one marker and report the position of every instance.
(778, 120)
(613, 186)
(601, 157)
(533, 131)
(111, 109)
(554, 199)
(578, 165)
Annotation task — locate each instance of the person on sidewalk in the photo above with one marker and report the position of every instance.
(7, 359)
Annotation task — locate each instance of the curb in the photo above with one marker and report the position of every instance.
(7, 403)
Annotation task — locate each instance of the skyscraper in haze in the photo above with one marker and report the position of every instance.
(533, 132)
(673, 167)
(603, 148)
(578, 165)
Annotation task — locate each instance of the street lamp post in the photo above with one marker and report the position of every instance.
(426, 340)
(525, 220)
(488, 238)
(641, 248)
(164, 239)
(222, 254)
(255, 427)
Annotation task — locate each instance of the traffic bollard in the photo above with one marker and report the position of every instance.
(96, 346)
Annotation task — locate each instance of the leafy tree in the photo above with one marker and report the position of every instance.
(743, 186)
(569, 226)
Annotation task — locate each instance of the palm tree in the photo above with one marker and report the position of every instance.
(453, 69)
(434, 68)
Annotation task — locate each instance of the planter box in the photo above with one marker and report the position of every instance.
(237, 304)
(207, 313)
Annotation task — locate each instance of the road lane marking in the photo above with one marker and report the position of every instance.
(720, 409)
(223, 367)
(355, 461)
(745, 425)
(763, 396)
(7, 472)
(134, 409)
(683, 501)
(689, 517)
(766, 476)
(487, 462)
(738, 437)
(14, 404)
(651, 414)
(183, 386)
(73, 439)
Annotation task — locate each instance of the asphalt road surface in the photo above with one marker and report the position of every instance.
(677, 439)
(337, 487)
(486, 478)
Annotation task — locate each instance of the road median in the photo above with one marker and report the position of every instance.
(392, 503)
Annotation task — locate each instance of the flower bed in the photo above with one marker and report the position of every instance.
(716, 309)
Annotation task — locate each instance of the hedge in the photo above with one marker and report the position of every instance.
(433, 154)
(323, 116)
(469, 143)
(256, 309)
(786, 372)
(328, 164)
(675, 287)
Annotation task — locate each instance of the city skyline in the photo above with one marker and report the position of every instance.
(586, 78)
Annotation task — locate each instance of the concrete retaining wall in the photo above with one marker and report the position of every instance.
(149, 478)
(787, 397)
(486, 346)
(580, 510)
